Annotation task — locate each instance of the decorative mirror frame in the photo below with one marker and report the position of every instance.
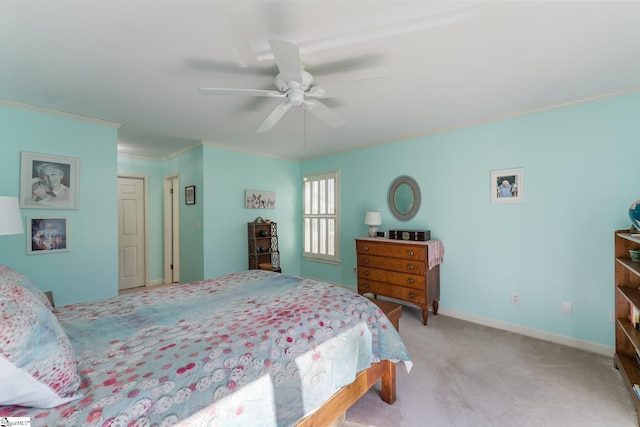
(417, 197)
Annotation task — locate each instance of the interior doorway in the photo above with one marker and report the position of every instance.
(133, 259)
(172, 229)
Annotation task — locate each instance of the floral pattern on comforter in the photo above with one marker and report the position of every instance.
(247, 349)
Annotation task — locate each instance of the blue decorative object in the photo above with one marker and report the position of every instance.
(634, 214)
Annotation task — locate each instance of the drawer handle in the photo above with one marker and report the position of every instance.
(366, 260)
(366, 286)
(366, 248)
(366, 273)
(410, 267)
(411, 253)
(412, 295)
(409, 280)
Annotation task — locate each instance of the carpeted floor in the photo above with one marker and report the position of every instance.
(466, 374)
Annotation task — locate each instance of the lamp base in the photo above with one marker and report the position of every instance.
(373, 230)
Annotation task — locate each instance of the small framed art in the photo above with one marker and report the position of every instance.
(47, 234)
(507, 186)
(49, 182)
(259, 199)
(190, 195)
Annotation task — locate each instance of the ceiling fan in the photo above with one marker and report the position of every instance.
(294, 85)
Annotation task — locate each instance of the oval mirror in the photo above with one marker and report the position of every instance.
(404, 198)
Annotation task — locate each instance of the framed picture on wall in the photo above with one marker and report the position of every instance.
(190, 195)
(259, 199)
(507, 186)
(47, 235)
(49, 182)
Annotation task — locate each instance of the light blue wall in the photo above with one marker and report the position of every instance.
(90, 269)
(213, 232)
(227, 174)
(155, 172)
(581, 175)
(190, 169)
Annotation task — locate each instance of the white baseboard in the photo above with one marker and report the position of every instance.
(156, 282)
(510, 327)
(530, 332)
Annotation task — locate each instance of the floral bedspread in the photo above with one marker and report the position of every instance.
(254, 348)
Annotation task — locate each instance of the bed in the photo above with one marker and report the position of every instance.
(253, 348)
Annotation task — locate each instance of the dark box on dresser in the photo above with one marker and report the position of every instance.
(415, 235)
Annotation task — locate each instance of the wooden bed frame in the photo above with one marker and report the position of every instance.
(342, 400)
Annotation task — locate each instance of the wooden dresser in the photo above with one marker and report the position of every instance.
(398, 269)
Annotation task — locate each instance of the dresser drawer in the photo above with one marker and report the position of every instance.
(394, 264)
(392, 277)
(415, 296)
(386, 249)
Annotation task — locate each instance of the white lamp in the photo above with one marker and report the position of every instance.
(10, 220)
(373, 220)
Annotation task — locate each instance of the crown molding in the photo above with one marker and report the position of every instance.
(485, 120)
(242, 150)
(57, 113)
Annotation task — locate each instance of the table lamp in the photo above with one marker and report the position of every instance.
(373, 220)
(10, 219)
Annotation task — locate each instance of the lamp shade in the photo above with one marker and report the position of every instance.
(373, 218)
(10, 220)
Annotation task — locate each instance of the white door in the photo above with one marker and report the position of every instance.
(131, 233)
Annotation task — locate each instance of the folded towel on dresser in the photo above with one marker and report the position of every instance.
(435, 252)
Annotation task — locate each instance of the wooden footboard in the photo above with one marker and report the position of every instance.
(349, 394)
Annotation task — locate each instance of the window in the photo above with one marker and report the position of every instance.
(320, 217)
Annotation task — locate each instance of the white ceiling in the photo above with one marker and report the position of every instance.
(393, 69)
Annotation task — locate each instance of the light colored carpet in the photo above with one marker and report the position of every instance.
(466, 374)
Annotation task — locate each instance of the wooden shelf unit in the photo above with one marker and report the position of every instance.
(262, 242)
(627, 289)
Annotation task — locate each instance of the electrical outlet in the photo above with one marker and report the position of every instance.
(355, 270)
(515, 298)
(566, 307)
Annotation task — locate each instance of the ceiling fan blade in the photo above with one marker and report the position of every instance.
(287, 57)
(316, 92)
(324, 113)
(274, 117)
(244, 92)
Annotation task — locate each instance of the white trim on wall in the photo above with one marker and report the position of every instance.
(530, 332)
(509, 327)
(59, 113)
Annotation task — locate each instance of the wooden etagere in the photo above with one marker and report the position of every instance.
(263, 245)
(627, 283)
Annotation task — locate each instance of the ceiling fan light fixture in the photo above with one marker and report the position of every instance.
(296, 97)
(292, 83)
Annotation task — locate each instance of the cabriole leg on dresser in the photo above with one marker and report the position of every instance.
(435, 308)
(425, 315)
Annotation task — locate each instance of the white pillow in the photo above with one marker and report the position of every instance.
(9, 275)
(20, 388)
(37, 364)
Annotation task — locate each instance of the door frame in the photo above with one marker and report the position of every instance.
(145, 191)
(171, 228)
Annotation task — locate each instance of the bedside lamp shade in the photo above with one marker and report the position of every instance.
(373, 220)
(10, 220)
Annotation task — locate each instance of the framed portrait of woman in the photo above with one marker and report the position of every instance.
(48, 182)
(507, 186)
